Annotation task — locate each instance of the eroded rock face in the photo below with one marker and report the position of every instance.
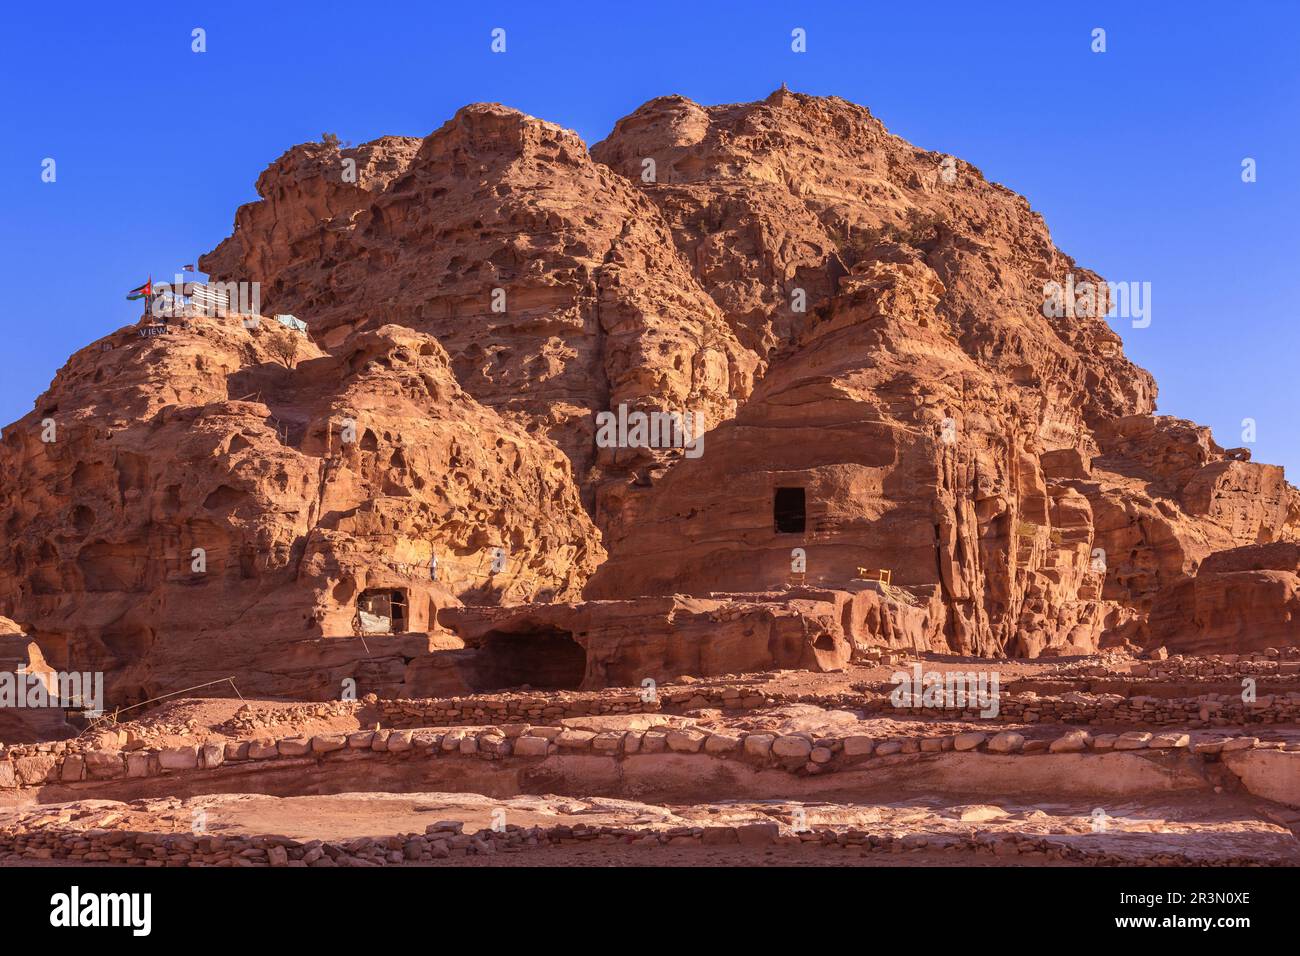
(909, 457)
(210, 503)
(1240, 600)
(941, 422)
(859, 321)
(551, 281)
(792, 192)
(21, 666)
(621, 643)
(1182, 497)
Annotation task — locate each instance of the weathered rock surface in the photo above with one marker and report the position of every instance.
(859, 320)
(909, 459)
(622, 643)
(794, 191)
(1240, 600)
(208, 439)
(21, 661)
(551, 281)
(941, 425)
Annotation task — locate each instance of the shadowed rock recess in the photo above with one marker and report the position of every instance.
(860, 323)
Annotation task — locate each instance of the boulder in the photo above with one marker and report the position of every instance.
(179, 758)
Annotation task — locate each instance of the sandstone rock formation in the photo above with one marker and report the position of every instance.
(1240, 600)
(21, 665)
(207, 439)
(550, 280)
(855, 417)
(861, 322)
(622, 643)
(1056, 506)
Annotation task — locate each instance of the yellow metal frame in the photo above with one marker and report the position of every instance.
(883, 575)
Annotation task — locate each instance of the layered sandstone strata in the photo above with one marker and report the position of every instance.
(1239, 601)
(861, 323)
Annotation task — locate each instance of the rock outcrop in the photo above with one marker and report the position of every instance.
(210, 502)
(1239, 601)
(908, 457)
(791, 193)
(940, 421)
(551, 281)
(622, 643)
(861, 323)
(22, 666)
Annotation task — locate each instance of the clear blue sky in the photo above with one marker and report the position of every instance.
(1133, 156)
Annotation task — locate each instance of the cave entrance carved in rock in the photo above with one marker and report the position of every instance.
(543, 657)
(381, 611)
(789, 510)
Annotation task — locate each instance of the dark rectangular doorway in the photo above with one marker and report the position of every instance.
(788, 510)
(541, 657)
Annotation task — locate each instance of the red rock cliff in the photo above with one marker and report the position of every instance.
(857, 319)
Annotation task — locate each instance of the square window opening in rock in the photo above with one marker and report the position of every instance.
(381, 611)
(789, 510)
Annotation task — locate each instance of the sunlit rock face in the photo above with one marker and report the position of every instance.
(864, 328)
(945, 420)
(552, 282)
(208, 506)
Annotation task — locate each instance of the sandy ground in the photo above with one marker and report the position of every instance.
(1230, 826)
(631, 856)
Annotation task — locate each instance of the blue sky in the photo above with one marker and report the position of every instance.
(1133, 156)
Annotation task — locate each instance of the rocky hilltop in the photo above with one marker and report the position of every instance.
(858, 320)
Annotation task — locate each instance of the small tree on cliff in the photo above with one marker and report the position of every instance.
(285, 348)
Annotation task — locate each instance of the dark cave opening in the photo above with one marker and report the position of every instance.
(546, 658)
(789, 510)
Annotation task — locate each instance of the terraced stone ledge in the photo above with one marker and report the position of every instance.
(557, 705)
(800, 753)
(1273, 661)
(1205, 710)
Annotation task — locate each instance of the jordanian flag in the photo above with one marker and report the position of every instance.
(139, 292)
